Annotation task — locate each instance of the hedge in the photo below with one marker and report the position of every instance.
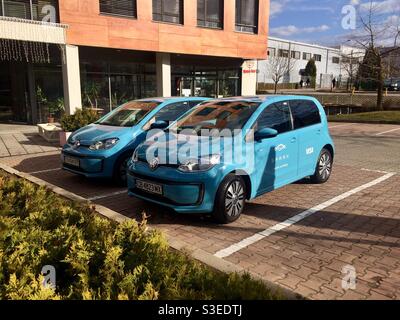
(96, 258)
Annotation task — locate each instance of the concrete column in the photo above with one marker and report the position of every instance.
(163, 70)
(71, 79)
(249, 78)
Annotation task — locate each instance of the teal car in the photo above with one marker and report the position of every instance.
(277, 140)
(102, 149)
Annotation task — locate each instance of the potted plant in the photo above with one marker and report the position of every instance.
(55, 108)
(71, 123)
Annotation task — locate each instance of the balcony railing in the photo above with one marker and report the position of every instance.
(38, 10)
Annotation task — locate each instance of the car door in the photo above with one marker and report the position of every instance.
(275, 158)
(307, 124)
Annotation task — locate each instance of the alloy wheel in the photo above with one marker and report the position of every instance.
(325, 166)
(123, 170)
(235, 197)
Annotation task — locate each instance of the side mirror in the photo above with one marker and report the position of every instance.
(159, 125)
(265, 133)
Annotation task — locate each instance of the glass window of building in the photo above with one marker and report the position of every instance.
(336, 60)
(306, 56)
(283, 53)
(30, 9)
(119, 7)
(168, 11)
(295, 55)
(271, 52)
(210, 13)
(247, 16)
(317, 57)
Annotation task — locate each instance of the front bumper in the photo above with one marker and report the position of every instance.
(183, 192)
(90, 165)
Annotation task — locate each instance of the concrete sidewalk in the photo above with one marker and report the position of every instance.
(22, 139)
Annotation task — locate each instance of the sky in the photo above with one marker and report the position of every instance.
(320, 21)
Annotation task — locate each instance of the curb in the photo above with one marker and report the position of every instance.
(200, 255)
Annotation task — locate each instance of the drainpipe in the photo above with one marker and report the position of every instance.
(327, 60)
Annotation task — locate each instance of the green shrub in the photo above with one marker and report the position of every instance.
(80, 119)
(96, 258)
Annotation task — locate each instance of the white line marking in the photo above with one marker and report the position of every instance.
(285, 224)
(44, 171)
(389, 131)
(117, 193)
(377, 171)
(341, 125)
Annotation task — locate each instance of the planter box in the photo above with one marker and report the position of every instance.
(64, 137)
(49, 131)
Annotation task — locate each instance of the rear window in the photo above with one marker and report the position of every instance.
(305, 113)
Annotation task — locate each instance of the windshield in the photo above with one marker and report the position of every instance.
(218, 115)
(129, 114)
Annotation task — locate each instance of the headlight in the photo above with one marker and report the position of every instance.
(135, 157)
(104, 145)
(202, 164)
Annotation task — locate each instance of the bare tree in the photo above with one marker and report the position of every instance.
(350, 63)
(278, 66)
(379, 35)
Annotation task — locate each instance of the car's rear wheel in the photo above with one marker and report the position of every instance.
(323, 170)
(230, 199)
(121, 170)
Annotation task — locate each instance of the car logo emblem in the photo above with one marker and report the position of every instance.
(77, 144)
(154, 163)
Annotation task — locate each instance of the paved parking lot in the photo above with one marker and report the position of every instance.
(301, 236)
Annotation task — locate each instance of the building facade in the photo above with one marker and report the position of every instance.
(331, 63)
(101, 53)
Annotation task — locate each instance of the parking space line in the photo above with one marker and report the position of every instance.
(376, 171)
(341, 125)
(117, 193)
(44, 171)
(389, 131)
(297, 218)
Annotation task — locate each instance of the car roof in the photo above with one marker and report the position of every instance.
(177, 99)
(262, 98)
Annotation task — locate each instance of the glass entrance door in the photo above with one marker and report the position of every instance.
(211, 83)
(14, 94)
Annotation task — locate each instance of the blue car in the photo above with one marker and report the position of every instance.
(102, 149)
(276, 140)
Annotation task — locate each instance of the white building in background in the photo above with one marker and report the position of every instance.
(328, 61)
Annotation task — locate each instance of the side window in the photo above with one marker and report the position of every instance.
(305, 113)
(195, 102)
(275, 116)
(173, 111)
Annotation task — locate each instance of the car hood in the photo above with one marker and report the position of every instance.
(181, 147)
(97, 132)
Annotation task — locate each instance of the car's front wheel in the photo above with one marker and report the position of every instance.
(323, 170)
(230, 199)
(121, 170)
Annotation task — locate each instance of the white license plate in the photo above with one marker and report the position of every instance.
(72, 161)
(149, 187)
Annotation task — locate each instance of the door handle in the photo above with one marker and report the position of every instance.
(293, 140)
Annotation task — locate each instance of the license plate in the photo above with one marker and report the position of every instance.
(149, 187)
(71, 161)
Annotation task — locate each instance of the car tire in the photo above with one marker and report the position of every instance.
(121, 170)
(230, 199)
(324, 166)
